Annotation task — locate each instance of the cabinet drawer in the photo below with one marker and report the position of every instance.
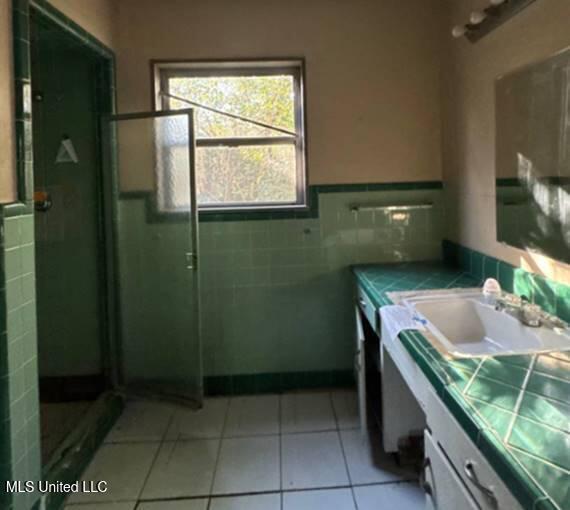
(367, 307)
(481, 479)
(444, 489)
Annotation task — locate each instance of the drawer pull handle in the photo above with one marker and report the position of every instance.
(362, 302)
(469, 468)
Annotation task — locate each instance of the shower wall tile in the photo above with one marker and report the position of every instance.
(19, 399)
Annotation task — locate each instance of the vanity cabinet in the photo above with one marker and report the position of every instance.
(443, 488)
(477, 475)
(456, 474)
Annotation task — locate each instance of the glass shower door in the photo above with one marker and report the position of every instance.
(155, 226)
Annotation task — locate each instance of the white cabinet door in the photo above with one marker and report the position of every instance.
(444, 489)
(360, 369)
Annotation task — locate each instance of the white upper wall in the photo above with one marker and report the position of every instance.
(373, 72)
(96, 16)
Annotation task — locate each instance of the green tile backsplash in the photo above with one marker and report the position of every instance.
(552, 296)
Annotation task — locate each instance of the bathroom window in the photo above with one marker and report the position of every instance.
(250, 130)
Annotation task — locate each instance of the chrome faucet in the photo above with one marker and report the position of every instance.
(530, 314)
(526, 312)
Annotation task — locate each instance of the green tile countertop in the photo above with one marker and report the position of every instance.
(515, 409)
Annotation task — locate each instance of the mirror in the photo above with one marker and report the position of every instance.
(533, 157)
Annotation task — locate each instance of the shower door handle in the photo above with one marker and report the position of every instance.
(191, 260)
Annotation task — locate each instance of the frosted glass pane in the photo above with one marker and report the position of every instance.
(172, 141)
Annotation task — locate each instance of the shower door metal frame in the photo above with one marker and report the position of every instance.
(113, 193)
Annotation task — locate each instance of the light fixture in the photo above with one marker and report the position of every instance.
(477, 17)
(484, 21)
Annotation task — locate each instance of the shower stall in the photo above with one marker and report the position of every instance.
(116, 236)
(70, 286)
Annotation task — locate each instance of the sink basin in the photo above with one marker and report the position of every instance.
(467, 327)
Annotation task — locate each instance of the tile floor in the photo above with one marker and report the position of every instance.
(298, 451)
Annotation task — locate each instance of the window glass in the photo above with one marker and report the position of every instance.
(249, 127)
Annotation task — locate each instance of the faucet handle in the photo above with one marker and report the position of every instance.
(508, 301)
(530, 314)
(492, 291)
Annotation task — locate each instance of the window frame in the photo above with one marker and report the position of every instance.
(163, 70)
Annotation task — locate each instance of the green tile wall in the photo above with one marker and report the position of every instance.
(20, 442)
(276, 293)
(19, 431)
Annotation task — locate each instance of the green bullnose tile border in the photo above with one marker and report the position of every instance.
(310, 212)
(249, 384)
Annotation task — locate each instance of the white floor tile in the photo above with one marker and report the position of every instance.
(182, 469)
(253, 416)
(332, 499)
(306, 412)
(367, 461)
(259, 502)
(206, 423)
(248, 465)
(401, 496)
(185, 504)
(103, 506)
(312, 461)
(141, 421)
(123, 466)
(345, 405)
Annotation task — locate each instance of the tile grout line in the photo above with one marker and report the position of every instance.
(343, 451)
(152, 464)
(520, 398)
(155, 458)
(257, 493)
(473, 377)
(219, 454)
